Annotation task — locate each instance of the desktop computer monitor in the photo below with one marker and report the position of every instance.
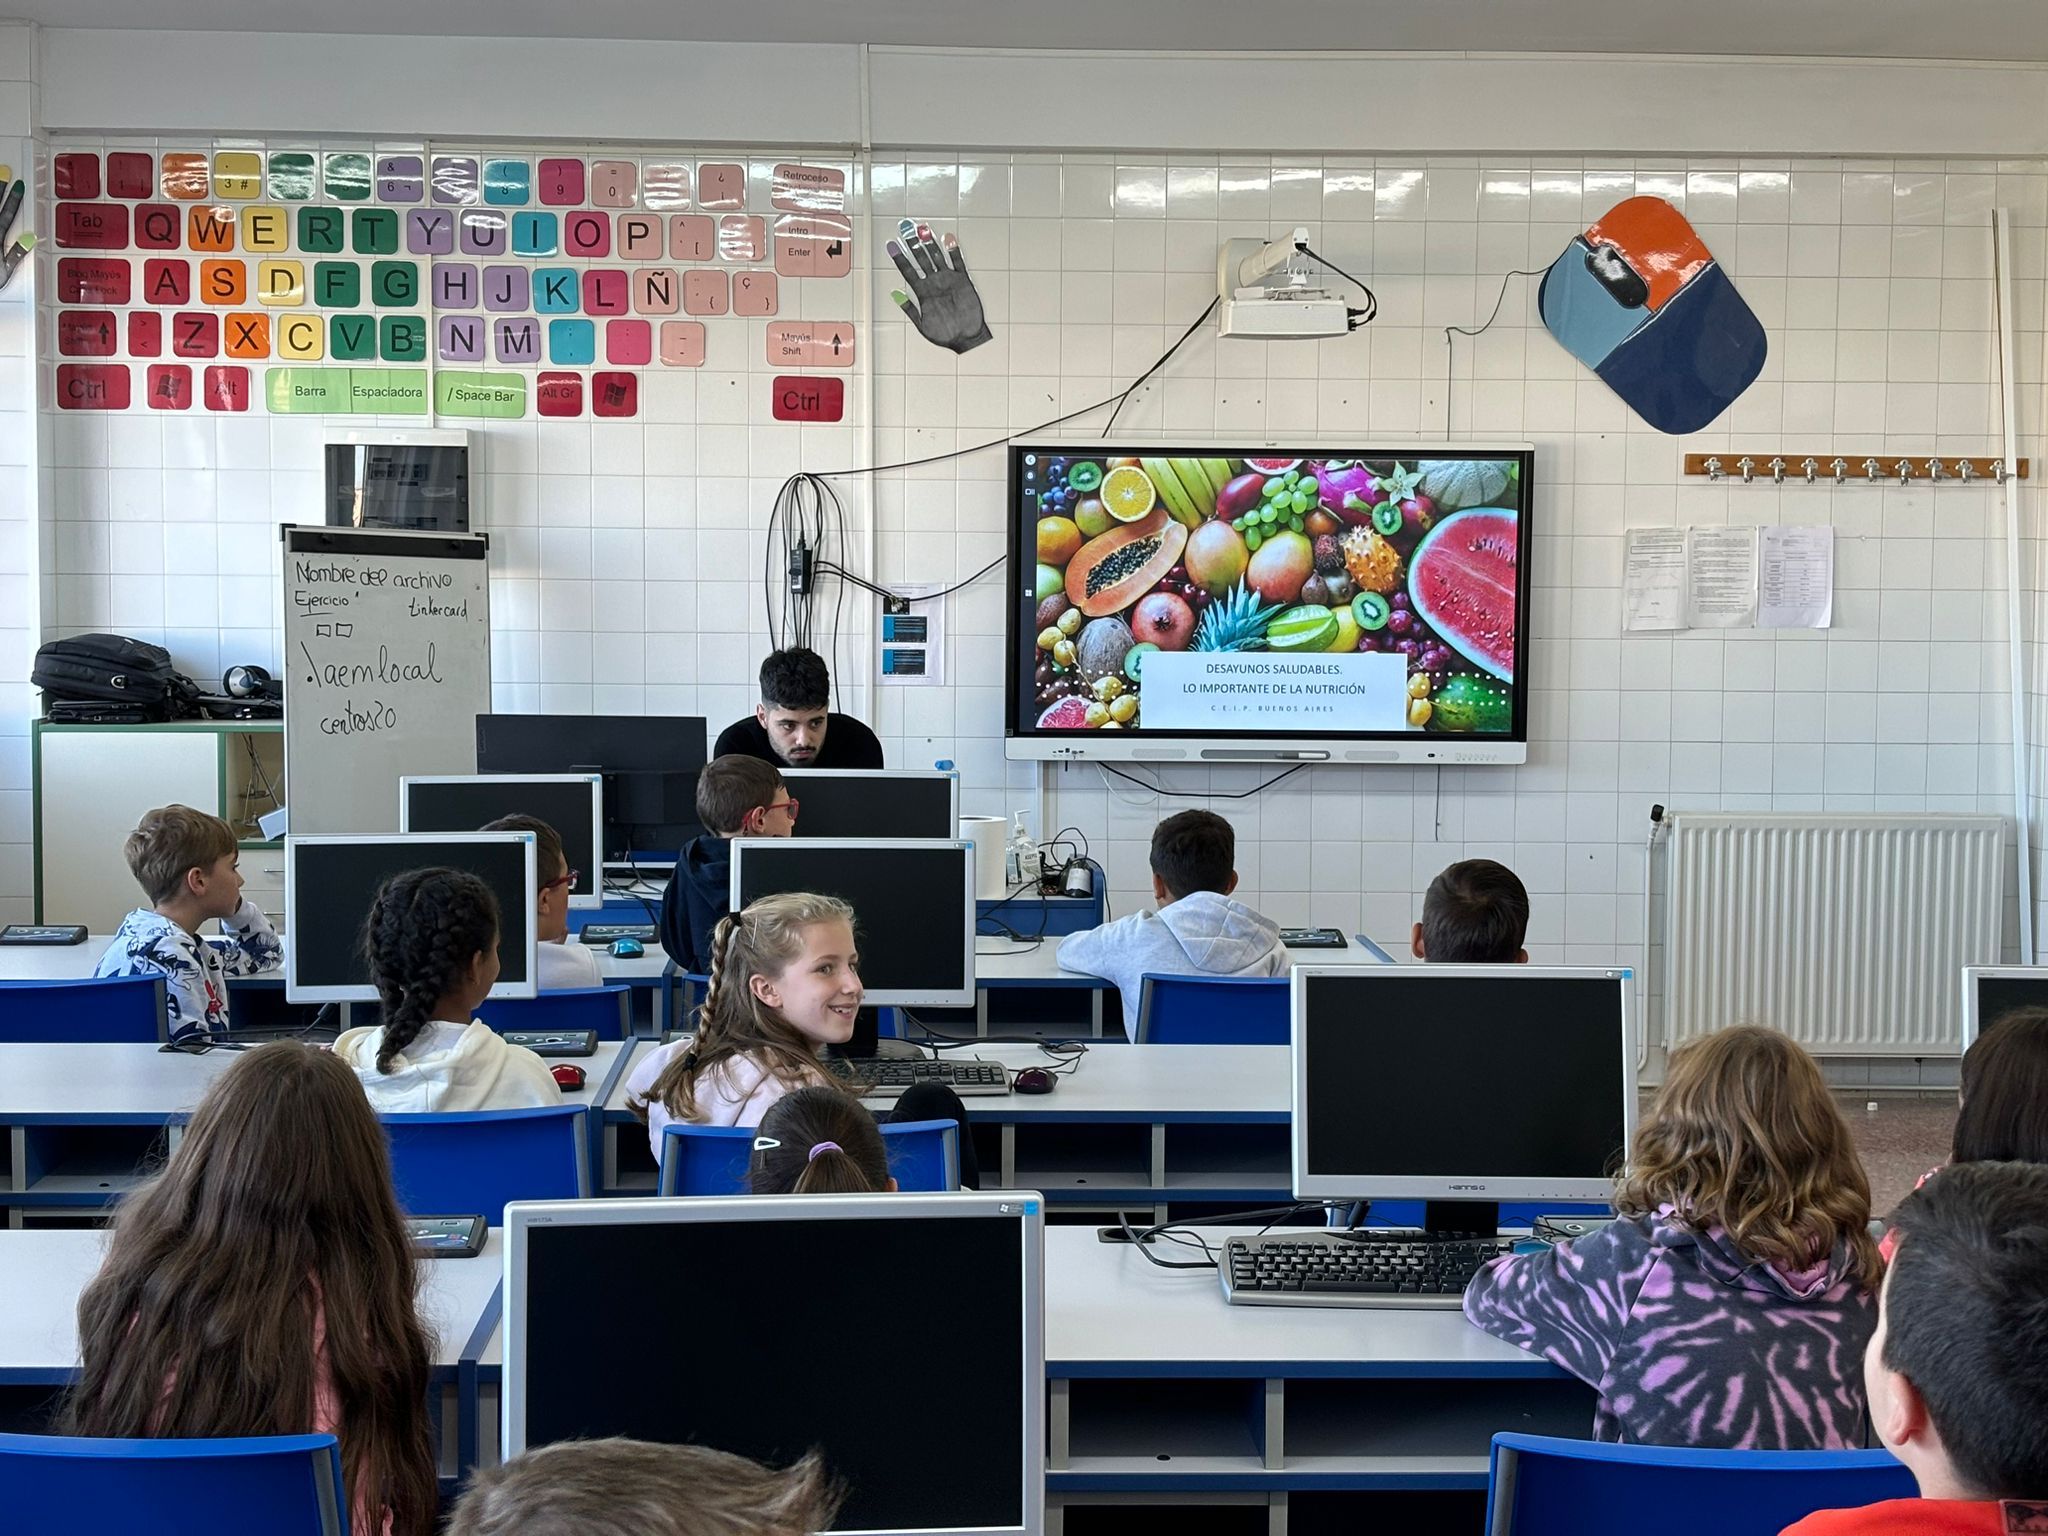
(650, 765)
(330, 882)
(1992, 991)
(863, 802)
(1461, 1085)
(913, 907)
(946, 1439)
(571, 803)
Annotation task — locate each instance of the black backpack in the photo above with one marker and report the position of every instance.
(131, 675)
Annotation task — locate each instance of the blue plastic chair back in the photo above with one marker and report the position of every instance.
(924, 1155)
(472, 1162)
(1544, 1487)
(608, 1010)
(1213, 1010)
(120, 1009)
(282, 1485)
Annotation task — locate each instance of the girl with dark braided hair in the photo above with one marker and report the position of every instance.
(432, 944)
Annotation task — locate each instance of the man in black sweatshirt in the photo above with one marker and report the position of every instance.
(792, 727)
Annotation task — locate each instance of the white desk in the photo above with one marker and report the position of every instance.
(1160, 1393)
(43, 1272)
(78, 1119)
(75, 962)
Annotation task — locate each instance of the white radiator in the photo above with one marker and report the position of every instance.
(1846, 932)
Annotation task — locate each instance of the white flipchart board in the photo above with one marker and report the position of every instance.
(387, 664)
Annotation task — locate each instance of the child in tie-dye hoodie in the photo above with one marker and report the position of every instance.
(1730, 1303)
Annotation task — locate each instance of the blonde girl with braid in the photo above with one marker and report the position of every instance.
(785, 982)
(785, 985)
(432, 945)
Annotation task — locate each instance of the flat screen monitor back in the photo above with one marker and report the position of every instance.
(860, 802)
(913, 907)
(571, 803)
(332, 881)
(954, 1445)
(650, 765)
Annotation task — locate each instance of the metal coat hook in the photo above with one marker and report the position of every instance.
(1905, 471)
(1841, 469)
(1965, 471)
(1871, 468)
(1810, 468)
(1935, 471)
(1778, 471)
(1714, 469)
(1748, 467)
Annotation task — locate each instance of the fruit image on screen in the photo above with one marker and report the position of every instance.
(1202, 593)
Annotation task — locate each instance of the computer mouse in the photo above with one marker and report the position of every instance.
(1034, 1080)
(628, 949)
(568, 1076)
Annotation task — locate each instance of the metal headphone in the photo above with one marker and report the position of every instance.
(249, 682)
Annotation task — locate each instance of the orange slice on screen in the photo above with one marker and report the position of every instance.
(1128, 493)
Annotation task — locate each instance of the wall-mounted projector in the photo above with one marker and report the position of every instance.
(1266, 291)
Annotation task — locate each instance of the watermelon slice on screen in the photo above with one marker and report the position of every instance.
(1461, 580)
(1271, 466)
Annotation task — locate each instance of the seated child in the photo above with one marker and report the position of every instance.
(785, 983)
(632, 1488)
(1474, 913)
(432, 942)
(565, 965)
(817, 1141)
(736, 797)
(2004, 1097)
(1722, 1306)
(1197, 931)
(262, 1284)
(189, 867)
(1957, 1371)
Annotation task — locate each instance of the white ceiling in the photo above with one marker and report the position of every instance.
(1906, 29)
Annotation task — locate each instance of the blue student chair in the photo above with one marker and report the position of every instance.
(119, 1009)
(1540, 1486)
(1213, 1010)
(474, 1161)
(608, 1010)
(924, 1156)
(282, 1485)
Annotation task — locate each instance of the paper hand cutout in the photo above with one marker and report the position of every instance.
(942, 302)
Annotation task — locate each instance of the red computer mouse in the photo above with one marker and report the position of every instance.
(568, 1076)
(1035, 1080)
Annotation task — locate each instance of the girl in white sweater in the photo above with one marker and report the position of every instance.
(432, 941)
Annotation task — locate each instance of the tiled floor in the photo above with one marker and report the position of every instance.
(1900, 1137)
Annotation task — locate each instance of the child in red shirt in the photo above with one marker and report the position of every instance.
(1957, 1371)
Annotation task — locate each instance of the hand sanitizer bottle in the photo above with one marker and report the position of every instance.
(1022, 860)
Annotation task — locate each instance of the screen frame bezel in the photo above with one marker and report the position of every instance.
(791, 776)
(1027, 1207)
(1032, 745)
(1972, 1023)
(881, 997)
(297, 992)
(1449, 1185)
(589, 900)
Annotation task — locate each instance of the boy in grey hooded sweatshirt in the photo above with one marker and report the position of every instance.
(1197, 931)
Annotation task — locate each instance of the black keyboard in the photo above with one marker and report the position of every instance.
(605, 933)
(1332, 1270)
(555, 1042)
(893, 1074)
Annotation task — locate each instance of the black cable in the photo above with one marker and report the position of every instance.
(1372, 301)
(1475, 330)
(1189, 794)
(1184, 335)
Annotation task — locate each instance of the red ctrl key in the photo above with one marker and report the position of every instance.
(92, 386)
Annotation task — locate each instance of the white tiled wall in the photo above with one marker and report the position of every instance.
(24, 506)
(629, 554)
